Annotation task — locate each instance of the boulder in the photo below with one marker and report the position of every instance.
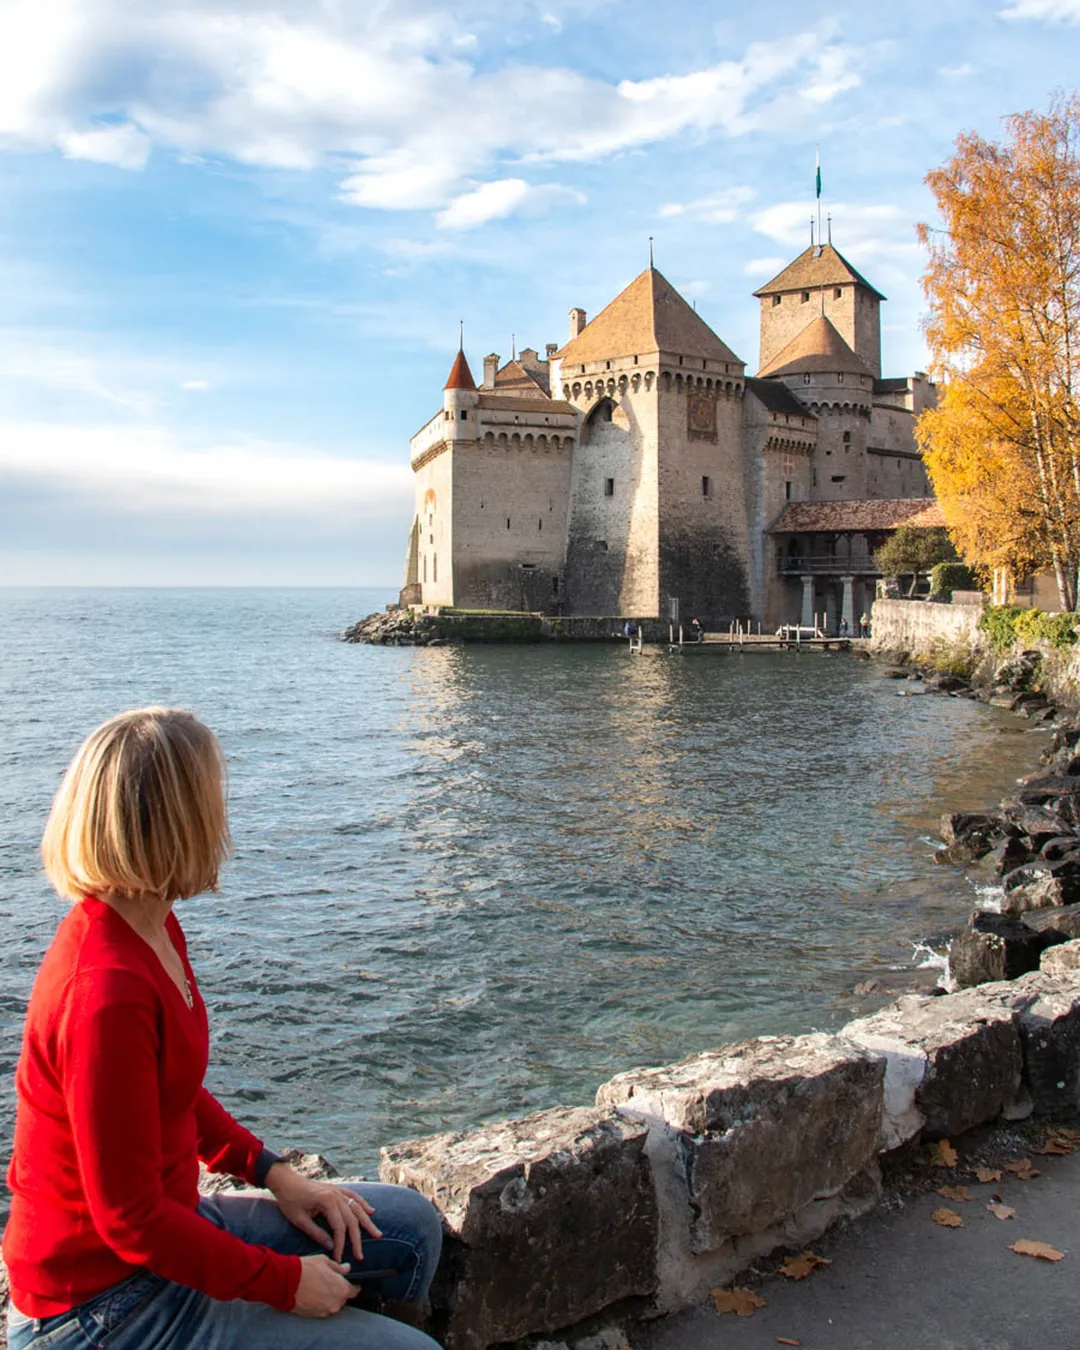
(1047, 1015)
(1060, 846)
(996, 947)
(951, 1063)
(1041, 884)
(550, 1219)
(962, 826)
(765, 1128)
(1065, 920)
(1062, 961)
(1012, 852)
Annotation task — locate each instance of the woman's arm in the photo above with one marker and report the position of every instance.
(226, 1146)
(109, 1064)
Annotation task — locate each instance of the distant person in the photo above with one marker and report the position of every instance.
(864, 625)
(843, 628)
(630, 629)
(109, 1242)
(697, 633)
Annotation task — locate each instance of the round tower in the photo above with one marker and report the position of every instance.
(461, 399)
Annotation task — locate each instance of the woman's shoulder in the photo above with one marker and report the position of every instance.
(95, 950)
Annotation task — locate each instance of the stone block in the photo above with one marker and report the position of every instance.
(764, 1127)
(952, 1062)
(1040, 885)
(1065, 920)
(551, 1219)
(1047, 1013)
(1062, 962)
(996, 947)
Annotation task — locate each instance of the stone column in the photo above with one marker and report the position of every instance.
(807, 601)
(848, 610)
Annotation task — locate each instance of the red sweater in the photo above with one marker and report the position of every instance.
(112, 1121)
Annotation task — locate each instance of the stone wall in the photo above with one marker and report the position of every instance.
(680, 1176)
(916, 626)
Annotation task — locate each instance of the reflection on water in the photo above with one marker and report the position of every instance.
(472, 881)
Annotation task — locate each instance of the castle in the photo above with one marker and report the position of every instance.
(639, 464)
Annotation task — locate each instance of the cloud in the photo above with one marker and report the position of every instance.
(505, 197)
(149, 472)
(720, 208)
(881, 231)
(196, 386)
(1049, 11)
(124, 146)
(957, 72)
(399, 97)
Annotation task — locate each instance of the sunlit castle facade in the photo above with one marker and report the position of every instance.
(639, 463)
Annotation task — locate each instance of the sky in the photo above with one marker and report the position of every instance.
(237, 237)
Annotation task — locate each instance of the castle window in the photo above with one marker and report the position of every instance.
(806, 379)
(609, 487)
(706, 486)
(847, 437)
(776, 300)
(601, 544)
(425, 567)
(435, 567)
(805, 297)
(609, 365)
(813, 477)
(838, 477)
(635, 360)
(464, 414)
(507, 522)
(787, 490)
(554, 585)
(839, 377)
(838, 293)
(680, 360)
(540, 523)
(704, 365)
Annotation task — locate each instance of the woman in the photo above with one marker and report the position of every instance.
(109, 1243)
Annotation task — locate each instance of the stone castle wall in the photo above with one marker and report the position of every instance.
(854, 314)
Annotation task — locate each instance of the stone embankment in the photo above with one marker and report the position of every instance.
(407, 628)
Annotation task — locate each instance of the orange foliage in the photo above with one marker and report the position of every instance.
(1003, 284)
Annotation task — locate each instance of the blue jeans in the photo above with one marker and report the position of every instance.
(146, 1312)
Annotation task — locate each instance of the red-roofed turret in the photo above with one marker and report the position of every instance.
(460, 374)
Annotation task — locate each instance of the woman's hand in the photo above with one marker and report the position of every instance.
(301, 1200)
(323, 1288)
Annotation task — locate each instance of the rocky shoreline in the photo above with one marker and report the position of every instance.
(1029, 846)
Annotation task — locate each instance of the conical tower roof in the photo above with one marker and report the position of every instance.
(819, 265)
(460, 374)
(648, 316)
(818, 348)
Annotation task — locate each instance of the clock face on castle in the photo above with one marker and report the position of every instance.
(701, 416)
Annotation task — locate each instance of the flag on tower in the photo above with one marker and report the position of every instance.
(818, 176)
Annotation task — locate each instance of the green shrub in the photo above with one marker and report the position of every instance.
(1005, 625)
(949, 658)
(946, 577)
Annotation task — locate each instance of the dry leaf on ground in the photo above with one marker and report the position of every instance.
(960, 1193)
(1058, 1148)
(946, 1154)
(947, 1218)
(1063, 1132)
(798, 1267)
(1042, 1250)
(1023, 1168)
(1000, 1211)
(985, 1174)
(787, 1340)
(738, 1300)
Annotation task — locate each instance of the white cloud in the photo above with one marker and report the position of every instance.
(196, 386)
(720, 208)
(124, 146)
(957, 72)
(867, 231)
(764, 267)
(505, 197)
(147, 471)
(390, 93)
(1051, 11)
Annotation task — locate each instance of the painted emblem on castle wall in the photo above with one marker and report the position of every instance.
(701, 416)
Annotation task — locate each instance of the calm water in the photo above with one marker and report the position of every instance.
(471, 882)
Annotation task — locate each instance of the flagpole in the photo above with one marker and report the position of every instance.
(817, 185)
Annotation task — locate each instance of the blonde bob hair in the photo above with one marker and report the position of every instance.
(141, 810)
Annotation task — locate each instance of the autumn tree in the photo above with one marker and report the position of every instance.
(914, 550)
(1003, 284)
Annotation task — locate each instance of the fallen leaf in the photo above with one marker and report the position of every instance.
(946, 1154)
(786, 1340)
(1063, 1132)
(1023, 1168)
(738, 1300)
(1000, 1211)
(798, 1267)
(1058, 1148)
(1043, 1250)
(947, 1218)
(960, 1193)
(985, 1174)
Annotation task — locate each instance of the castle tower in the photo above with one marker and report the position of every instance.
(821, 282)
(657, 498)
